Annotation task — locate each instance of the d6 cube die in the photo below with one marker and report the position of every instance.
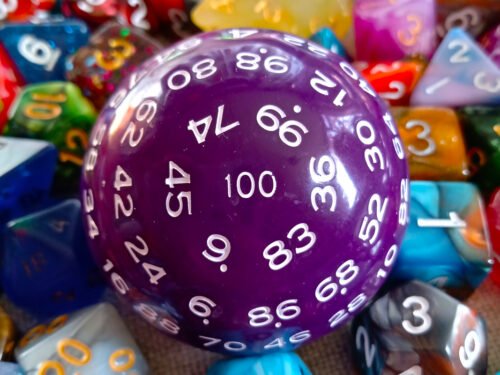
(447, 242)
(89, 342)
(418, 329)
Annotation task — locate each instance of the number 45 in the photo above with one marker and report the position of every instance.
(204, 124)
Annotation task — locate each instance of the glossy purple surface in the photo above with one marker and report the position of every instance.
(491, 44)
(335, 223)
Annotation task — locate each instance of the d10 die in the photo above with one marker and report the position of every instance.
(40, 49)
(276, 363)
(113, 52)
(446, 243)
(391, 30)
(418, 329)
(482, 133)
(56, 112)
(48, 268)
(433, 141)
(26, 172)
(89, 342)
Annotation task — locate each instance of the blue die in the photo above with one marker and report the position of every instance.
(26, 172)
(270, 364)
(48, 268)
(446, 243)
(40, 49)
(7, 368)
(325, 37)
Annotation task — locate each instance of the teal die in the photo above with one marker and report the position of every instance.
(447, 242)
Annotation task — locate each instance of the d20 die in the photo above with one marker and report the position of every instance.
(56, 112)
(88, 342)
(447, 242)
(26, 173)
(418, 329)
(48, 267)
(433, 141)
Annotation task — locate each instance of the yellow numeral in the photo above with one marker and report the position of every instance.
(113, 360)
(86, 353)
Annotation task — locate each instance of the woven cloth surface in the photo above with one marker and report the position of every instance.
(330, 355)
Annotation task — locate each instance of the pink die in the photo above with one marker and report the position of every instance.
(393, 29)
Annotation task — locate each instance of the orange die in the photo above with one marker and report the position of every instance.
(394, 81)
(433, 142)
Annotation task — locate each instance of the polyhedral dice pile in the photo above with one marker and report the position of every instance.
(77, 93)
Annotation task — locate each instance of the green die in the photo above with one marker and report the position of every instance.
(56, 112)
(482, 135)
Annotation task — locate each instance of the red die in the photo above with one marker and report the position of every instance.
(10, 84)
(394, 81)
(21, 10)
(493, 212)
(93, 12)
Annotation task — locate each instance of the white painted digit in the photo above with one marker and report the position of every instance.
(321, 83)
(424, 135)
(453, 222)
(390, 257)
(366, 139)
(363, 341)
(324, 171)
(400, 88)
(247, 61)
(323, 193)
(122, 179)
(138, 17)
(204, 68)
(38, 51)
(121, 208)
(241, 33)
(171, 180)
(182, 196)
(421, 313)
(369, 229)
(481, 82)
(464, 18)
(289, 131)
(305, 234)
(288, 309)
(260, 316)
(201, 306)
(471, 350)
(300, 337)
(266, 193)
(6, 7)
(459, 57)
(347, 272)
(231, 346)
(178, 80)
(205, 123)
(142, 250)
(221, 252)
(284, 254)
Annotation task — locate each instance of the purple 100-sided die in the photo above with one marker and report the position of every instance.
(246, 191)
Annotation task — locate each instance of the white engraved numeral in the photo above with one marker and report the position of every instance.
(420, 313)
(201, 127)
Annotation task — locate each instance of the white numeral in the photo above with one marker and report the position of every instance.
(261, 316)
(290, 132)
(284, 255)
(183, 196)
(366, 135)
(38, 51)
(453, 222)
(323, 172)
(424, 135)
(181, 78)
(205, 123)
(231, 346)
(250, 191)
(421, 313)
(346, 273)
(370, 227)
(251, 61)
(363, 340)
(469, 352)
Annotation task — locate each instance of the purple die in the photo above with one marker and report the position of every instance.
(246, 191)
(391, 30)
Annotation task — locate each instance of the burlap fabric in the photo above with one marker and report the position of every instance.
(328, 356)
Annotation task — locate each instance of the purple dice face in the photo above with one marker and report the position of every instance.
(491, 44)
(246, 191)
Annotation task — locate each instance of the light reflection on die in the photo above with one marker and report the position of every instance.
(251, 186)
